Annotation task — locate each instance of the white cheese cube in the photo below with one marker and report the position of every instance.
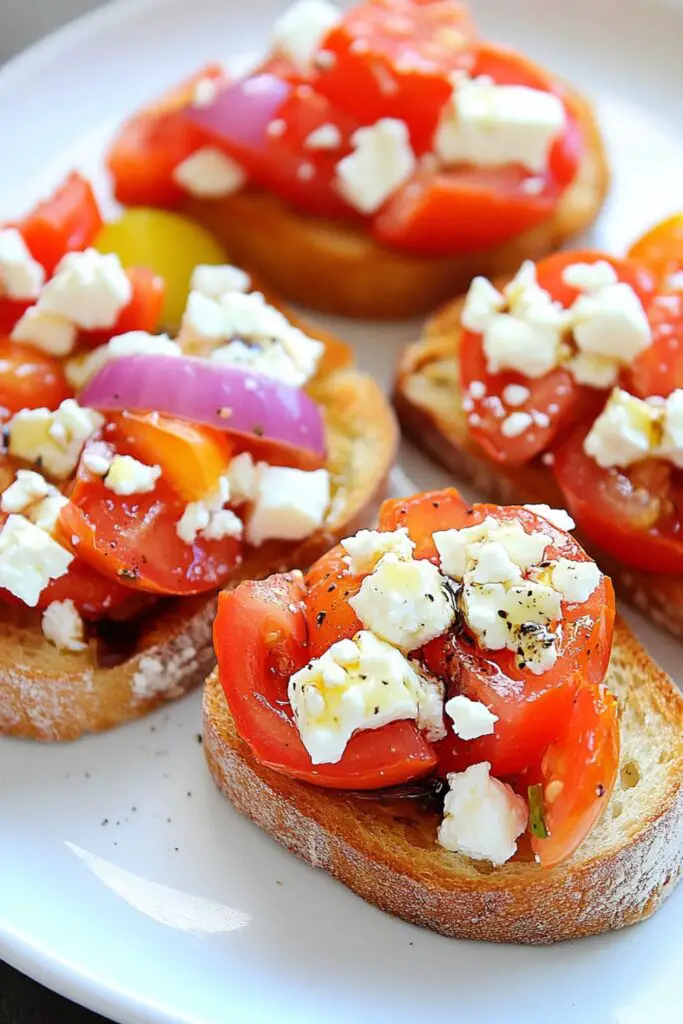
(525, 346)
(64, 627)
(133, 343)
(327, 136)
(29, 559)
(290, 504)
(492, 125)
(671, 444)
(89, 289)
(558, 517)
(354, 685)
(21, 277)
(576, 581)
(623, 433)
(594, 371)
(471, 718)
(52, 334)
(44, 514)
(224, 524)
(482, 304)
(366, 548)
(214, 280)
(55, 440)
(27, 488)
(589, 277)
(242, 478)
(381, 162)
(494, 565)
(483, 817)
(611, 322)
(209, 174)
(299, 32)
(127, 476)
(404, 602)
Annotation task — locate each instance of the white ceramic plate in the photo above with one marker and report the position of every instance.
(126, 882)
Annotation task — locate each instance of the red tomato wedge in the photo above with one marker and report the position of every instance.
(658, 370)
(634, 515)
(94, 595)
(11, 310)
(70, 219)
(530, 707)
(578, 773)
(149, 146)
(425, 514)
(261, 639)
(29, 379)
(661, 249)
(392, 58)
(468, 209)
(555, 401)
(133, 539)
(142, 313)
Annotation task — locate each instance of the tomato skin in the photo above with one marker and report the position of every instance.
(260, 640)
(70, 219)
(142, 313)
(29, 379)
(133, 539)
(393, 59)
(658, 370)
(583, 762)
(329, 616)
(661, 249)
(424, 514)
(600, 501)
(11, 310)
(556, 395)
(94, 595)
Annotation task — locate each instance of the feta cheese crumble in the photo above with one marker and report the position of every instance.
(209, 517)
(631, 429)
(63, 626)
(21, 277)
(483, 817)
(471, 718)
(404, 601)
(209, 174)
(54, 440)
(215, 280)
(81, 369)
(289, 504)
(29, 559)
(367, 547)
(381, 162)
(127, 476)
(357, 684)
(299, 32)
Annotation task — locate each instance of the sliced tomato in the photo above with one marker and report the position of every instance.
(70, 219)
(95, 596)
(578, 772)
(555, 401)
(661, 249)
(11, 310)
(263, 123)
(425, 514)
(658, 370)
(192, 458)
(260, 639)
(634, 515)
(530, 708)
(149, 146)
(134, 539)
(392, 58)
(29, 379)
(143, 312)
(329, 616)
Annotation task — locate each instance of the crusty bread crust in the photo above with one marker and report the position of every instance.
(428, 400)
(386, 850)
(339, 269)
(47, 694)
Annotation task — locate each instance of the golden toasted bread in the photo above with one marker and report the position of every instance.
(339, 269)
(385, 849)
(47, 694)
(428, 400)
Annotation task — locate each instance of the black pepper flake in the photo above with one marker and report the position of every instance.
(376, 711)
(258, 430)
(105, 821)
(199, 738)
(385, 682)
(363, 677)
(320, 618)
(502, 613)
(599, 789)
(435, 504)
(189, 792)
(430, 597)
(332, 586)
(128, 574)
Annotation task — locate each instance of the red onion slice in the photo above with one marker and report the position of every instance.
(226, 398)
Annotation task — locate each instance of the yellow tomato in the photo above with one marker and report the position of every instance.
(661, 248)
(170, 244)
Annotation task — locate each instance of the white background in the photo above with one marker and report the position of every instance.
(23, 21)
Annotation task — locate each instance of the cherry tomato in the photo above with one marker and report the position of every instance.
(658, 370)
(661, 249)
(134, 539)
(425, 514)
(260, 639)
(578, 773)
(70, 219)
(149, 147)
(555, 401)
(634, 514)
(392, 58)
(29, 379)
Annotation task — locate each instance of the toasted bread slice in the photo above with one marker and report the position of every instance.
(339, 269)
(47, 694)
(428, 400)
(386, 850)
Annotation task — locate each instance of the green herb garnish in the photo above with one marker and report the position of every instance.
(536, 818)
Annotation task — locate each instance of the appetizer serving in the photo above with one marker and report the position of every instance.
(373, 161)
(565, 384)
(139, 474)
(431, 715)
